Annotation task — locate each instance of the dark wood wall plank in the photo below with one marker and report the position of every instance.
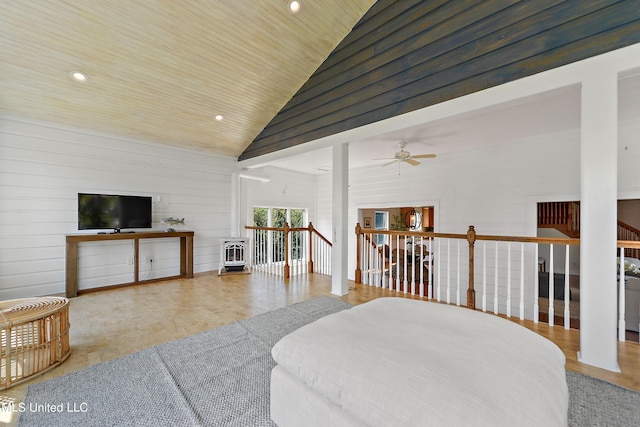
(406, 55)
(396, 70)
(380, 52)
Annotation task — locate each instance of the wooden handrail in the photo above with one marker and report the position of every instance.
(629, 244)
(629, 228)
(321, 236)
(312, 230)
(251, 227)
(471, 238)
(543, 240)
(539, 240)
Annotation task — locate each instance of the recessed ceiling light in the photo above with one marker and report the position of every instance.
(295, 6)
(219, 117)
(78, 76)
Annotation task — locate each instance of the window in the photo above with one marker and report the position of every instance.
(270, 245)
(261, 217)
(381, 222)
(297, 237)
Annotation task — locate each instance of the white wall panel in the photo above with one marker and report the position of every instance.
(495, 190)
(286, 189)
(43, 167)
(490, 189)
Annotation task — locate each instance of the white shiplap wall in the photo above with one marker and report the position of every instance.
(488, 188)
(491, 189)
(285, 189)
(44, 167)
(495, 189)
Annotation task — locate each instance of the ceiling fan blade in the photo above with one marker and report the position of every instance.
(390, 163)
(424, 156)
(385, 158)
(412, 162)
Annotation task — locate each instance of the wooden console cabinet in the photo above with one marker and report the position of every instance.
(186, 254)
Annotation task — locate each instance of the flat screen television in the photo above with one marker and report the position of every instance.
(111, 211)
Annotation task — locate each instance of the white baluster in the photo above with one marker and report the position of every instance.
(263, 250)
(421, 266)
(536, 288)
(270, 239)
(376, 267)
(405, 266)
(522, 281)
(272, 259)
(414, 265)
(398, 276)
(484, 276)
(259, 253)
(327, 258)
(365, 260)
(495, 290)
(253, 255)
(438, 286)
(551, 287)
(253, 251)
(370, 249)
(458, 273)
(292, 251)
(448, 271)
(398, 265)
(509, 279)
(322, 254)
(383, 265)
(431, 275)
(567, 295)
(326, 255)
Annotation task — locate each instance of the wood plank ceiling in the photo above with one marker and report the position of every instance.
(162, 70)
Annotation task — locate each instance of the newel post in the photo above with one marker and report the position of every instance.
(471, 292)
(358, 270)
(310, 263)
(286, 250)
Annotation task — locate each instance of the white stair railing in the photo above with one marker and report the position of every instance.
(506, 268)
(288, 252)
(523, 277)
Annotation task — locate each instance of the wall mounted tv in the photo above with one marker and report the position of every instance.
(115, 212)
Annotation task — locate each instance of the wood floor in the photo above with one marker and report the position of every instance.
(117, 322)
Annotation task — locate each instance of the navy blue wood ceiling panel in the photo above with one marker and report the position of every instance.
(405, 55)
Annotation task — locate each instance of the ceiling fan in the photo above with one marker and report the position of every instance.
(405, 156)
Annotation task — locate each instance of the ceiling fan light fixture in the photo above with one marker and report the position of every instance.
(403, 156)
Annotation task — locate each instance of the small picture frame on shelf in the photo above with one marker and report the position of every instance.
(367, 222)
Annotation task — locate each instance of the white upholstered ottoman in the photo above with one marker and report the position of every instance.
(401, 362)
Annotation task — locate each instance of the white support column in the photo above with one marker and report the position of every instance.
(598, 213)
(235, 205)
(340, 248)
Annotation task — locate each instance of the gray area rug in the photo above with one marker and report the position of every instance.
(593, 402)
(221, 378)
